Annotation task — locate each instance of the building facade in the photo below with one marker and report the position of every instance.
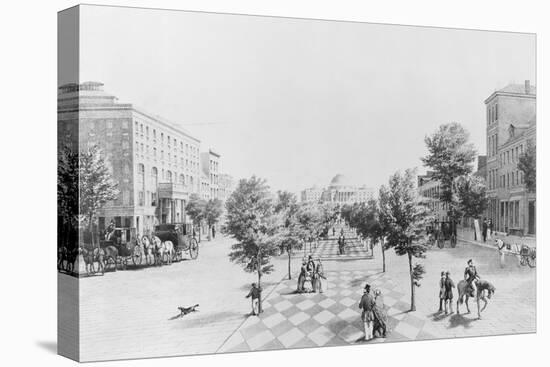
(339, 191)
(511, 126)
(429, 188)
(155, 163)
(210, 165)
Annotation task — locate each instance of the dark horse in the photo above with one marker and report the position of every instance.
(91, 256)
(483, 286)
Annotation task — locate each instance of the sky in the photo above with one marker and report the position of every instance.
(298, 101)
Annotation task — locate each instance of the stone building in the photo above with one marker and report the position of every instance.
(210, 165)
(339, 191)
(511, 126)
(430, 189)
(155, 162)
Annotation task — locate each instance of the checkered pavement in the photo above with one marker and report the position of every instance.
(328, 249)
(292, 320)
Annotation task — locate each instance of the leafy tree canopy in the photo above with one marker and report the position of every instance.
(528, 165)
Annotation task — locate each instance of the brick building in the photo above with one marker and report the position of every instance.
(511, 125)
(155, 162)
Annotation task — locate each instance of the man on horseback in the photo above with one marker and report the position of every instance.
(471, 277)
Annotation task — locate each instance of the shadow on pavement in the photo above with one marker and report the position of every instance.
(459, 320)
(49, 346)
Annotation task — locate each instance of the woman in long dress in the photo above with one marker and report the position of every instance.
(380, 314)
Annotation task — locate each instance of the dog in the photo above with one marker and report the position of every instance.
(186, 310)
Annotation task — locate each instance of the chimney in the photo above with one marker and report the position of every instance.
(527, 87)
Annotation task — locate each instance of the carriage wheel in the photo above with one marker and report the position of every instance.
(193, 248)
(137, 258)
(453, 241)
(532, 260)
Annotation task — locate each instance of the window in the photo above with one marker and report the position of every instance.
(496, 111)
(154, 134)
(109, 124)
(182, 179)
(169, 176)
(155, 153)
(141, 198)
(141, 128)
(154, 177)
(513, 178)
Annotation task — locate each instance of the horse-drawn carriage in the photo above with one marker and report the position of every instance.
(440, 231)
(172, 240)
(120, 247)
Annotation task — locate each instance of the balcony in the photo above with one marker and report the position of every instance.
(170, 190)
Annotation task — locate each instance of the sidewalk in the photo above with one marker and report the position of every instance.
(467, 235)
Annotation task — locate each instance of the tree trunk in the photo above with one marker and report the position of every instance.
(289, 250)
(413, 305)
(91, 226)
(383, 255)
(260, 286)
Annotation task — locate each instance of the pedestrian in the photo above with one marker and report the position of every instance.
(319, 274)
(380, 322)
(491, 227)
(449, 285)
(213, 231)
(367, 304)
(442, 290)
(501, 251)
(255, 293)
(485, 227)
(333, 232)
(302, 277)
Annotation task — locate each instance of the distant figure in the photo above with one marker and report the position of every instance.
(491, 227)
(501, 251)
(485, 227)
(302, 277)
(110, 229)
(449, 285)
(255, 293)
(333, 232)
(367, 304)
(213, 231)
(341, 245)
(319, 274)
(442, 291)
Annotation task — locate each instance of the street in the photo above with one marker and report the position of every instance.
(133, 313)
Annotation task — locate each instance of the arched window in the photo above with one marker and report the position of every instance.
(169, 176)
(182, 179)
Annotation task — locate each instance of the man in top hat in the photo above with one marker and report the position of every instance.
(367, 304)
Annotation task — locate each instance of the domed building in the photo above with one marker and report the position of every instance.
(340, 190)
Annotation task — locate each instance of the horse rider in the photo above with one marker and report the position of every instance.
(471, 276)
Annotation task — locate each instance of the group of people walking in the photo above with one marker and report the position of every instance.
(312, 272)
(374, 314)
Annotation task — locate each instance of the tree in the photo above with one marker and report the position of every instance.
(369, 225)
(292, 234)
(471, 195)
(253, 223)
(528, 165)
(67, 196)
(195, 209)
(213, 210)
(450, 155)
(310, 221)
(405, 218)
(96, 185)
